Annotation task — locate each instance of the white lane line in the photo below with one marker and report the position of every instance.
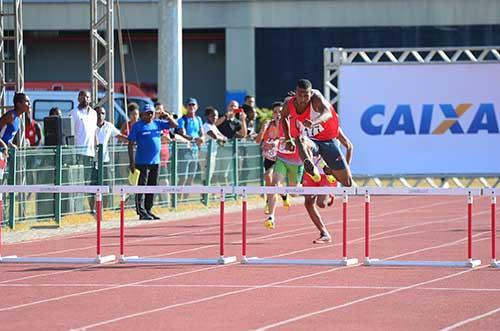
(205, 299)
(353, 302)
(470, 320)
(251, 289)
(308, 287)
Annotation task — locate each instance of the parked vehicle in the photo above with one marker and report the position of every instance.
(43, 101)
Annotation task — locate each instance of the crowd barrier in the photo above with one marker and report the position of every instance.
(97, 190)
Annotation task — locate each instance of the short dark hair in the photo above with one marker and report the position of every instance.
(248, 96)
(157, 103)
(276, 104)
(131, 107)
(210, 110)
(19, 97)
(54, 111)
(304, 84)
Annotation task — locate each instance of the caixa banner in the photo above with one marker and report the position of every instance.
(422, 118)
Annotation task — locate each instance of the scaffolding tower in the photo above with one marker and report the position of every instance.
(102, 54)
(11, 18)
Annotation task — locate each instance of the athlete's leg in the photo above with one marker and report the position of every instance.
(335, 160)
(279, 174)
(310, 204)
(305, 147)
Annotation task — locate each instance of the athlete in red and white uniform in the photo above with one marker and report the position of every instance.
(317, 122)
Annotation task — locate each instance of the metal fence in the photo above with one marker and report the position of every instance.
(238, 162)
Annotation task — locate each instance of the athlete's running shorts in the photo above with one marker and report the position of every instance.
(290, 171)
(330, 152)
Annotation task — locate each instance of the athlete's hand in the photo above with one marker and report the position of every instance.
(290, 145)
(308, 123)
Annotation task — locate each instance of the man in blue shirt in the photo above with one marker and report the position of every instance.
(146, 134)
(191, 128)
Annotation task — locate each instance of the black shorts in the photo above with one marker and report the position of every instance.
(268, 164)
(330, 152)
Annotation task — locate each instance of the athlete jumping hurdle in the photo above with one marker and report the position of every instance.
(318, 121)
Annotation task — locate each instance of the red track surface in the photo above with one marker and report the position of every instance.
(243, 297)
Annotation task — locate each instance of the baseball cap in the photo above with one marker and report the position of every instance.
(147, 107)
(191, 100)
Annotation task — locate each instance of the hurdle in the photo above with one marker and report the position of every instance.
(97, 190)
(469, 192)
(223, 190)
(492, 192)
(344, 191)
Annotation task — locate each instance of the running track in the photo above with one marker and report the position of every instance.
(244, 297)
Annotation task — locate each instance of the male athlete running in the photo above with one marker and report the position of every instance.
(318, 122)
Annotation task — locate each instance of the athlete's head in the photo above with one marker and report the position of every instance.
(276, 108)
(303, 91)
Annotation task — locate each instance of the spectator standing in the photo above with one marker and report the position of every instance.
(84, 121)
(105, 131)
(33, 135)
(55, 111)
(133, 116)
(232, 127)
(32, 131)
(249, 109)
(166, 137)
(211, 133)
(191, 129)
(146, 134)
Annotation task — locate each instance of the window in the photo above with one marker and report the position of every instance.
(41, 108)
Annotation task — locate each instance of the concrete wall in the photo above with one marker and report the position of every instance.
(74, 14)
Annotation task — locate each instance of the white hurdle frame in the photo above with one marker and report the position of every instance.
(344, 191)
(493, 192)
(97, 190)
(469, 192)
(222, 190)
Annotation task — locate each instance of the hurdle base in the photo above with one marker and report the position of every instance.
(495, 264)
(58, 260)
(265, 261)
(154, 260)
(399, 263)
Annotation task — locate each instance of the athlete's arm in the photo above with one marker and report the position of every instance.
(7, 118)
(4, 148)
(263, 129)
(347, 144)
(285, 123)
(322, 106)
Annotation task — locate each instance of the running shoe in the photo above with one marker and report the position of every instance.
(312, 171)
(269, 223)
(323, 239)
(330, 178)
(286, 202)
